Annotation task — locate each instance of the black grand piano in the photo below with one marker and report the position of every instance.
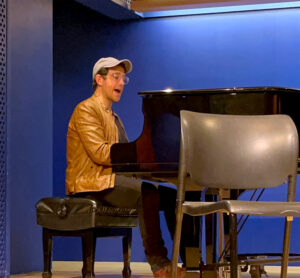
(155, 154)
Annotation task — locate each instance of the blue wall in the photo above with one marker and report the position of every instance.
(29, 139)
(208, 51)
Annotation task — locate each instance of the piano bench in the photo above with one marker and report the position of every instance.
(88, 219)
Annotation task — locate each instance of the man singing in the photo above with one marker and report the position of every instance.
(93, 128)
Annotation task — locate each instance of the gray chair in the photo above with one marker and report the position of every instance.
(238, 152)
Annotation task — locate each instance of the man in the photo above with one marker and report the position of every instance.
(92, 130)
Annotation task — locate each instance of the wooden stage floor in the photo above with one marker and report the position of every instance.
(139, 270)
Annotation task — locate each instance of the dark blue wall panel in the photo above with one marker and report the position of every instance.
(208, 51)
(29, 126)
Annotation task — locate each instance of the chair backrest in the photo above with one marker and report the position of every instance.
(240, 152)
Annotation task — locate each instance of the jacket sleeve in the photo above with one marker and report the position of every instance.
(92, 136)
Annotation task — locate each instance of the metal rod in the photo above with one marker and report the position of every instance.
(253, 262)
(227, 244)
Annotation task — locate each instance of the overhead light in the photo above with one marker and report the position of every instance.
(168, 90)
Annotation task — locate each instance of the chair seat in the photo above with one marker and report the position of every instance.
(73, 213)
(243, 207)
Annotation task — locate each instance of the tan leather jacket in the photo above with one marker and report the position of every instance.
(91, 133)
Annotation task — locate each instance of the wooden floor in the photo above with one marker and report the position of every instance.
(139, 270)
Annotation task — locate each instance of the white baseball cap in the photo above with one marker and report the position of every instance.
(109, 62)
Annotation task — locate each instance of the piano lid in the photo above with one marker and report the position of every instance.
(234, 90)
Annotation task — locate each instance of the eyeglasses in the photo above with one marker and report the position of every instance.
(118, 76)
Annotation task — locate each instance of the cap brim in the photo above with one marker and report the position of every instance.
(127, 64)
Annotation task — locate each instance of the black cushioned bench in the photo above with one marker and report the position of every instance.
(88, 219)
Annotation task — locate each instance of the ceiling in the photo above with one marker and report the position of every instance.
(139, 9)
(143, 6)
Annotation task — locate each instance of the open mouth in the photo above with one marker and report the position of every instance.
(117, 90)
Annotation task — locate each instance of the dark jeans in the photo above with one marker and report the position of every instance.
(149, 199)
(155, 199)
(124, 194)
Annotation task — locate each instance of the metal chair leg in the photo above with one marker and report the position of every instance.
(47, 250)
(233, 247)
(176, 243)
(286, 247)
(127, 253)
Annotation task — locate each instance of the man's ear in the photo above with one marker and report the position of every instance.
(99, 79)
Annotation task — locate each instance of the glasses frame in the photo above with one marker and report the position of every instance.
(117, 76)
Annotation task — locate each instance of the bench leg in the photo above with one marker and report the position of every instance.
(47, 250)
(127, 253)
(88, 253)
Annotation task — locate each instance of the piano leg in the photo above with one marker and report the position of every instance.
(211, 232)
(190, 252)
(210, 239)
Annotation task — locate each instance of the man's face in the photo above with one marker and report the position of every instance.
(113, 84)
